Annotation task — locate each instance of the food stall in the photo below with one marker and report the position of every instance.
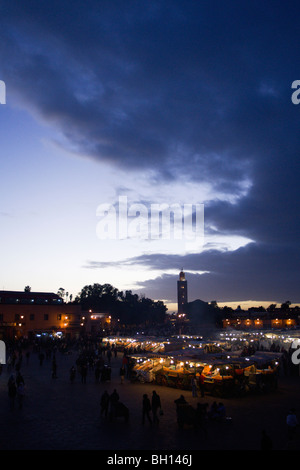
(143, 368)
(173, 370)
(177, 372)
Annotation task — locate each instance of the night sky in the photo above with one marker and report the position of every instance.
(175, 102)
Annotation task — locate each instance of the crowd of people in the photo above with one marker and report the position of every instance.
(93, 361)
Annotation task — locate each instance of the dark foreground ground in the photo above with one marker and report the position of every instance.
(58, 415)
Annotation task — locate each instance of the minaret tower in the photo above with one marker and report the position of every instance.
(181, 292)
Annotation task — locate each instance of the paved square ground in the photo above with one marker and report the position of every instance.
(59, 415)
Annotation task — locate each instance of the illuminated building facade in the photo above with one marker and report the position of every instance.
(258, 321)
(26, 314)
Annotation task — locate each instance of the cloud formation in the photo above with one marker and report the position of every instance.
(182, 91)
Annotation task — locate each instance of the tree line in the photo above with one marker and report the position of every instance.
(128, 308)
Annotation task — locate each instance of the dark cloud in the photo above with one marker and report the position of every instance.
(254, 272)
(144, 85)
(197, 91)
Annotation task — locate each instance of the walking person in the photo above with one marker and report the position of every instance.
(146, 409)
(155, 405)
(83, 372)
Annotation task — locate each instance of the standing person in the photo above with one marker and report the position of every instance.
(292, 423)
(97, 372)
(41, 358)
(146, 409)
(125, 363)
(20, 394)
(180, 401)
(27, 357)
(108, 356)
(104, 402)
(19, 379)
(54, 368)
(201, 385)
(12, 391)
(72, 374)
(266, 442)
(194, 387)
(213, 412)
(155, 404)
(122, 374)
(114, 399)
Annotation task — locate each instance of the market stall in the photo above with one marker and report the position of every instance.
(139, 344)
(223, 365)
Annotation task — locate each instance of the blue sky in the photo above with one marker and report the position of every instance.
(161, 102)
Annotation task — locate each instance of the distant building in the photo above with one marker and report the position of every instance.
(268, 319)
(182, 295)
(27, 314)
